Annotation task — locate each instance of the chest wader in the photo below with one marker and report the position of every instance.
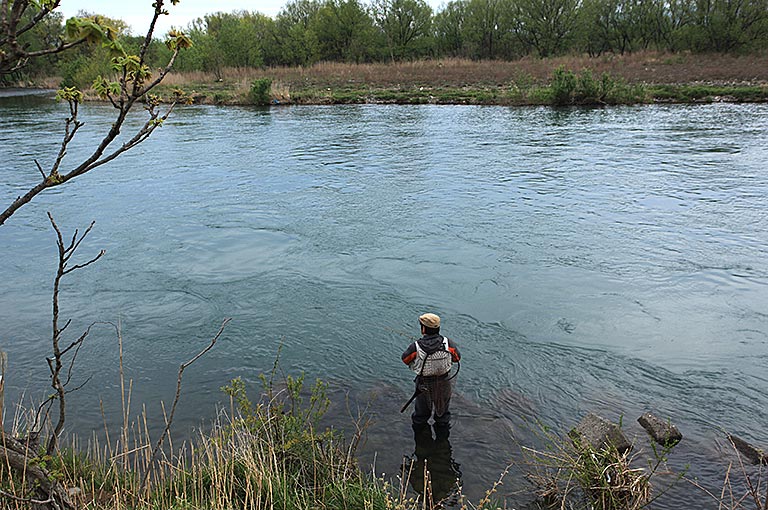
(433, 379)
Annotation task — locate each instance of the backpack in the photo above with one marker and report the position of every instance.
(434, 364)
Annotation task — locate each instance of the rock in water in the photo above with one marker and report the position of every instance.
(600, 433)
(754, 454)
(663, 432)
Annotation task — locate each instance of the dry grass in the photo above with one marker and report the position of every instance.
(647, 67)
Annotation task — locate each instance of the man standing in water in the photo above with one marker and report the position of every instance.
(430, 358)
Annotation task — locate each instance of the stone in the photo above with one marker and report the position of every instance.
(662, 431)
(600, 434)
(753, 454)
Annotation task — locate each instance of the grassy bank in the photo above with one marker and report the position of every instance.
(270, 453)
(273, 453)
(628, 79)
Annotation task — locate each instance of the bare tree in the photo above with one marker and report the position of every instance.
(133, 82)
(22, 454)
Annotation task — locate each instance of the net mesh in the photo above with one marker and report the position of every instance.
(436, 380)
(437, 363)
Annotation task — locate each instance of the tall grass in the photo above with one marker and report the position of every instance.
(569, 473)
(639, 67)
(267, 454)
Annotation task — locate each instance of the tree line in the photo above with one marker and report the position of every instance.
(305, 32)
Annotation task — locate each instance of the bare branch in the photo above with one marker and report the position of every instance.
(58, 232)
(80, 266)
(75, 243)
(8, 495)
(69, 321)
(55, 364)
(52, 51)
(79, 340)
(3, 366)
(169, 421)
(38, 17)
(80, 386)
(40, 168)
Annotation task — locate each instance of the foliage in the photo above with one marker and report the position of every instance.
(567, 473)
(563, 86)
(406, 25)
(260, 91)
(309, 31)
(545, 26)
(567, 88)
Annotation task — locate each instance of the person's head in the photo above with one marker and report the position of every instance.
(430, 324)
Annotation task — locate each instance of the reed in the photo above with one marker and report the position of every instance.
(641, 67)
(270, 453)
(566, 473)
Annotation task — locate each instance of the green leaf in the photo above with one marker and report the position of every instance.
(177, 39)
(69, 94)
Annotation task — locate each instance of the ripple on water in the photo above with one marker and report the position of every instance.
(611, 260)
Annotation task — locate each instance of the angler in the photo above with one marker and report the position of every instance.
(431, 358)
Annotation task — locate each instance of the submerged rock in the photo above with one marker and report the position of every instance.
(662, 431)
(754, 454)
(600, 433)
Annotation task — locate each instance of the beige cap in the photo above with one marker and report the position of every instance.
(430, 320)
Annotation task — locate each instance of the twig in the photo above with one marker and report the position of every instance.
(55, 364)
(40, 168)
(176, 398)
(8, 495)
(3, 366)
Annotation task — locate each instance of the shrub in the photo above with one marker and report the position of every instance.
(562, 87)
(589, 90)
(260, 91)
(568, 473)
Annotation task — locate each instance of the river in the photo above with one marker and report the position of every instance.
(584, 259)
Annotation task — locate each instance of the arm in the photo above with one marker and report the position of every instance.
(410, 354)
(454, 350)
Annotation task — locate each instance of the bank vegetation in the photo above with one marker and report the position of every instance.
(504, 52)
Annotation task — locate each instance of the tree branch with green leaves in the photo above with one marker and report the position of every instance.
(132, 82)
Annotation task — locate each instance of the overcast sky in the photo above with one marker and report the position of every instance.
(139, 13)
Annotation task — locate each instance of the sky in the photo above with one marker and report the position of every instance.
(138, 14)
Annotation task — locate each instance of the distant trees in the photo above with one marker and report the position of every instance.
(730, 25)
(308, 31)
(345, 32)
(406, 25)
(546, 26)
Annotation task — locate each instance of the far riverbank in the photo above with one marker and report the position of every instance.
(648, 77)
(639, 78)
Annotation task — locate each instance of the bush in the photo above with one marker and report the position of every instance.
(566, 88)
(563, 87)
(568, 473)
(260, 91)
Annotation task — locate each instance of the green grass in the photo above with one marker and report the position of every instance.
(708, 93)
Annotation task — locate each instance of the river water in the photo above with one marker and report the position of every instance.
(611, 260)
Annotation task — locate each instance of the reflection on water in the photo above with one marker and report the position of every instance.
(611, 260)
(432, 471)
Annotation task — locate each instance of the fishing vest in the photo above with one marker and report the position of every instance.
(433, 364)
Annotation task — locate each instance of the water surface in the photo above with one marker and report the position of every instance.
(610, 260)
